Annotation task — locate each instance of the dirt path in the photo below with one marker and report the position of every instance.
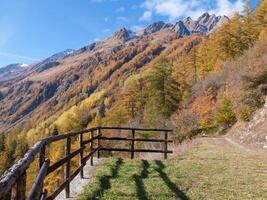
(186, 147)
(77, 184)
(235, 144)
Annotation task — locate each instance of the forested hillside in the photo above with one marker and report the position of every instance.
(194, 82)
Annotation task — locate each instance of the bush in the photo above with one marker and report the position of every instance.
(225, 114)
(186, 126)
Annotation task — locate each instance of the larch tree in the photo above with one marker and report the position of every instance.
(260, 15)
(163, 90)
(249, 32)
(134, 96)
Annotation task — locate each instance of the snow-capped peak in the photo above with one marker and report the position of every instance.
(24, 65)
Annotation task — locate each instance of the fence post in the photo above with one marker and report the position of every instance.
(18, 191)
(42, 160)
(92, 148)
(98, 142)
(132, 149)
(44, 195)
(67, 167)
(81, 154)
(42, 156)
(166, 145)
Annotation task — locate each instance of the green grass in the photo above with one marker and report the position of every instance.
(209, 171)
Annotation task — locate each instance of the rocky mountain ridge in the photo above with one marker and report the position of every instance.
(205, 24)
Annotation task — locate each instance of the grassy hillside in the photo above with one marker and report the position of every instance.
(212, 170)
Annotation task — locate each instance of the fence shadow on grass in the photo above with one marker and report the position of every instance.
(140, 188)
(173, 187)
(105, 181)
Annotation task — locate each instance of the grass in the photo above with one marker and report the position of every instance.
(209, 171)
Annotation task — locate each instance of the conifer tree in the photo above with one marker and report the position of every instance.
(2, 142)
(249, 32)
(102, 110)
(134, 95)
(225, 114)
(229, 38)
(163, 89)
(11, 155)
(261, 15)
(55, 130)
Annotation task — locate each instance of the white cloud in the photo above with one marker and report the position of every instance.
(175, 9)
(147, 15)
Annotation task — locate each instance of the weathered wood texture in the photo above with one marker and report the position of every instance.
(14, 179)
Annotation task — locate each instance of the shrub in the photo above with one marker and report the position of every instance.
(224, 114)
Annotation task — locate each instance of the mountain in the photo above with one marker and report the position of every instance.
(52, 61)
(53, 85)
(206, 23)
(60, 55)
(18, 71)
(12, 70)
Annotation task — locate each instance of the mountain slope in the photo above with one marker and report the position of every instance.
(68, 77)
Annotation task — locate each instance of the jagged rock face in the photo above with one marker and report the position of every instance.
(207, 23)
(204, 24)
(190, 24)
(124, 35)
(155, 27)
(181, 29)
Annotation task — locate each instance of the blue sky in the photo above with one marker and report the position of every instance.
(31, 30)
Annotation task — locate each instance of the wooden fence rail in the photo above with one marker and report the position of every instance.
(13, 181)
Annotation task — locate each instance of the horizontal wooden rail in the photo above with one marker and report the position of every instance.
(135, 150)
(136, 129)
(91, 140)
(86, 158)
(62, 136)
(63, 185)
(15, 177)
(64, 160)
(136, 139)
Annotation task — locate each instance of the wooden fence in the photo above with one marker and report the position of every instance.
(13, 181)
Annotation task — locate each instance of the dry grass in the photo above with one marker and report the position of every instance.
(212, 170)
